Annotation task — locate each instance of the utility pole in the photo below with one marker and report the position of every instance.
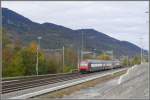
(141, 51)
(78, 58)
(63, 59)
(112, 55)
(127, 61)
(37, 60)
(82, 48)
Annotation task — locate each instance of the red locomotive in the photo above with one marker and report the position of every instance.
(98, 65)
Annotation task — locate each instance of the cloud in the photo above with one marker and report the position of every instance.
(124, 20)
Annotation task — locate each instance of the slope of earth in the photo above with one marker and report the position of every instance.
(132, 85)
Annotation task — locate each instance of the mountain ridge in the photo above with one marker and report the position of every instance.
(55, 36)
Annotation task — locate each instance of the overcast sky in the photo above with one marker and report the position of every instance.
(124, 20)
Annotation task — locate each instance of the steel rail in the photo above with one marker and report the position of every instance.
(14, 86)
(39, 83)
(22, 81)
(22, 84)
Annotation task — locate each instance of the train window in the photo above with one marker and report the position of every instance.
(83, 64)
(96, 65)
(99, 64)
(93, 65)
(109, 64)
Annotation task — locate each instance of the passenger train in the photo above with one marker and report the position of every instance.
(98, 65)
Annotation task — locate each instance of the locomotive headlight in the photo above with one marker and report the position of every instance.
(83, 64)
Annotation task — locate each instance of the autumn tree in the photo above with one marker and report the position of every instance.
(21, 61)
(88, 56)
(5, 39)
(104, 57)
(136, 60)
(16, 67)
(126, 62)
(7, 58)
(70, 57)
(29, 58)
(7, 54)
(53, 65)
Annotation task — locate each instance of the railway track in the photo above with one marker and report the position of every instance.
(31, 82)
